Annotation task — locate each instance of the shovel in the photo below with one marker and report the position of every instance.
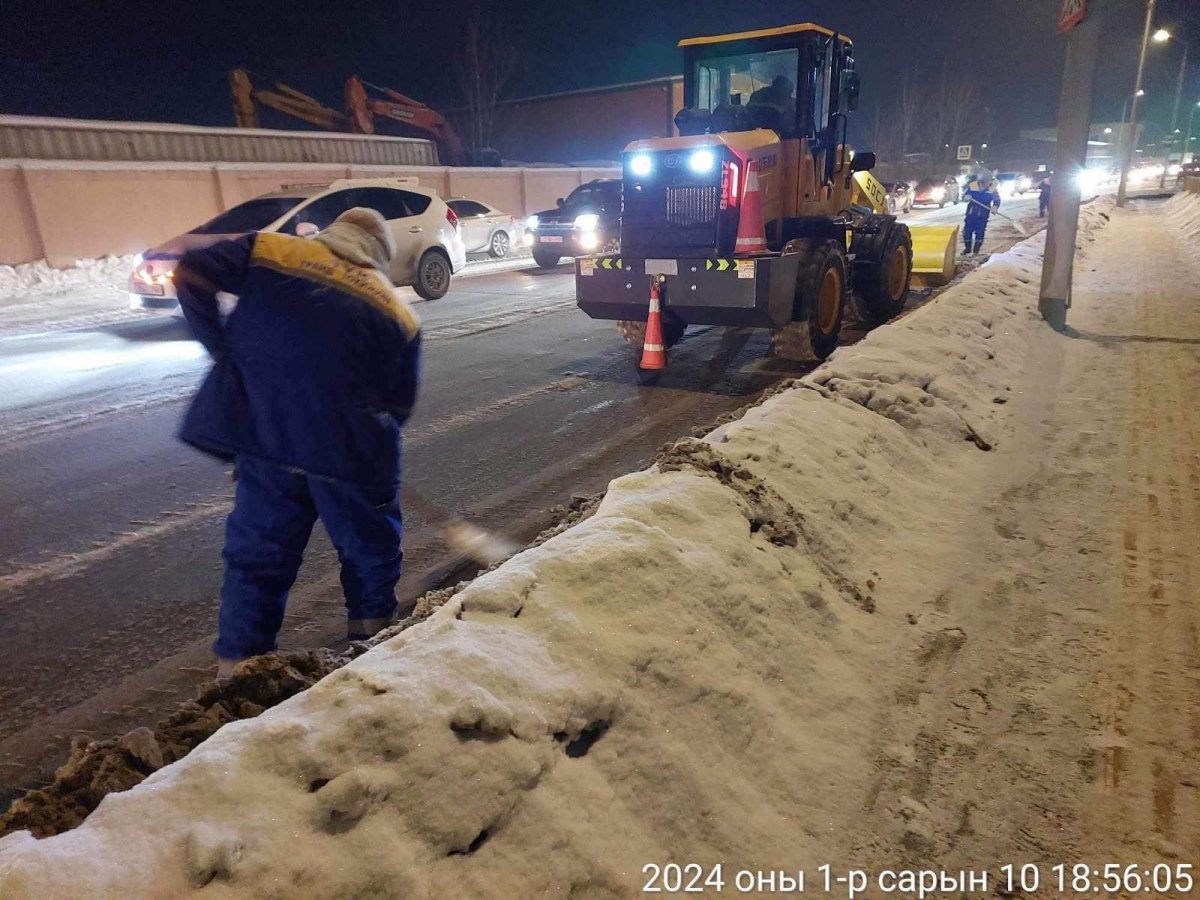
(1015, 224)
(477, 544)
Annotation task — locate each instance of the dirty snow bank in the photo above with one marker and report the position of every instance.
(691, 675)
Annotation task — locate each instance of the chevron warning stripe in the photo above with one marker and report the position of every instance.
(720, 265)
(608, 263)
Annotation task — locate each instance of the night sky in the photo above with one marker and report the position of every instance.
(167, 60)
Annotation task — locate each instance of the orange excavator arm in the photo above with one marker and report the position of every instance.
(362, 110)
(285, 99)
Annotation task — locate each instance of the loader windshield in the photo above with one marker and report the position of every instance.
(764, 79)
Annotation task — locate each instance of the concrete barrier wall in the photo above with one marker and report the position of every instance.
(63, 211)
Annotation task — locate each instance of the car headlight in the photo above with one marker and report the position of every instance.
(641, 164)
(587, 222)
(702, 161)
(146, 276)
(589, 240)
(531, 223)
(939, 193)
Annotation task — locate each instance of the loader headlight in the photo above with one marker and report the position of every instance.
(531, 223)
(587, 222)
(641, 164)
(702, 161)
(589, 240)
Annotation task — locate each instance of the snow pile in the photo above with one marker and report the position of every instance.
(690, 675)
(1183, 213)
(40, 279)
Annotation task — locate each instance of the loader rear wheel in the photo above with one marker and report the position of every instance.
(819, 307)
(635, 332)
(883, 281)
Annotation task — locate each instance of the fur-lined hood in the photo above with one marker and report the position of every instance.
(355, 245)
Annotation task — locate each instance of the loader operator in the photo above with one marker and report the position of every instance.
(315, 371)
(779, 95)
(982, 197)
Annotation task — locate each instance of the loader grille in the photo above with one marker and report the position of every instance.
(688, 206)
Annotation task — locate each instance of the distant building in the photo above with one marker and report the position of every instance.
(1034, 151)
(590, 125)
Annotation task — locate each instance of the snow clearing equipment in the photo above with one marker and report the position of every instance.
(758, 214)
(469, 541)
(1015, 224)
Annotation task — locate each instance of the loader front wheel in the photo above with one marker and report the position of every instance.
(884, 280)
(819, 307)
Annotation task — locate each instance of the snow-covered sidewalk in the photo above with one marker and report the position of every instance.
(932, 607)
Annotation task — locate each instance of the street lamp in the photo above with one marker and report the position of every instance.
(1161, 36)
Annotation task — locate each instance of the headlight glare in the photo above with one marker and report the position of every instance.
(587, 221)
(532, 223)
(702, 161)
(641, 164)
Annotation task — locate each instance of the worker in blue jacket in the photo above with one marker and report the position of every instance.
(982, 196)
(315, 371)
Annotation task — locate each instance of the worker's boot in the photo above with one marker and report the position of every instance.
(225, 667)
(978, 244)
(365, 629)
(967, 248)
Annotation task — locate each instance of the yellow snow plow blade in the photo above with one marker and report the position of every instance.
(934, 249)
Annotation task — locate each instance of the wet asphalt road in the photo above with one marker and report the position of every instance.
(110, 549)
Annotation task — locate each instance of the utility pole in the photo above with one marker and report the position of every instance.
(1162, 181)
(1070, 157)
(1133, 112)
(1187, 138)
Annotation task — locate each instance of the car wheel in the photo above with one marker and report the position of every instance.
(499, 246)
(546, 259)
(433, 275)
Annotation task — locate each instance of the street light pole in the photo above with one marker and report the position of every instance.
(1187, 138)
(1128, 160)
(1162, 181)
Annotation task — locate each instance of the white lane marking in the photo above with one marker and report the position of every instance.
(71, 563)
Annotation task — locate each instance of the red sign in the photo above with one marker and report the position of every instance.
(1070, 14)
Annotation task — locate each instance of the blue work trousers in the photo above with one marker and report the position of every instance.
(273, 514)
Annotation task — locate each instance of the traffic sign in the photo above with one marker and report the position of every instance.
(964, 151)
(1070, 14)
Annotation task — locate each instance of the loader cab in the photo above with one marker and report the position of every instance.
(798, 81)
(794, 80)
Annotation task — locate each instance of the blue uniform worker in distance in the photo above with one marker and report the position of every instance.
(315, 371)
(982, 196)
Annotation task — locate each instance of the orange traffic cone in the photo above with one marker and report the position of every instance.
(654, 354)
(752, 230)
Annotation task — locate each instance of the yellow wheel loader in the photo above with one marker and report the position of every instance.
(758, 214)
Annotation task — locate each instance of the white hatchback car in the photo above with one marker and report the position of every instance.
(429, 244)
(485, 228)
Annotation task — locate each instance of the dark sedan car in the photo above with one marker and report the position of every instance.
(587, 220)
(937, 192)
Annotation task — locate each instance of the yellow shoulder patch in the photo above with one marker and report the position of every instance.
(313, 260)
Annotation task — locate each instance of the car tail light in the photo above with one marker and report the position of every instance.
(729, 184)
(452, 217)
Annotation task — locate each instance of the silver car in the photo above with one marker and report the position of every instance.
(485, 228)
